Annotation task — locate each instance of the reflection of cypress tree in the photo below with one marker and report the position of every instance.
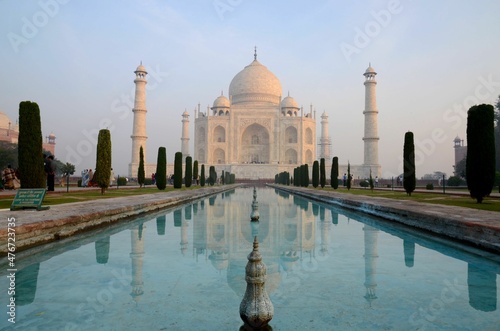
(177, 218)
(409, 251)
(140, 231)
(202, 204)
(102, 250)
(335, 218)
(187, 212)
(160, 225)
(315, 209)
(26, 280)
(195, 208)
(211, 200)
(482, 288)
(321, 213)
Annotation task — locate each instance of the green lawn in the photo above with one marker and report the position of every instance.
(491, 204)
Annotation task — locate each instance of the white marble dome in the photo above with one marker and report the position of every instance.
(255, 83)
(140, 68)
(221, 102)
(369, 69)
(289, 102)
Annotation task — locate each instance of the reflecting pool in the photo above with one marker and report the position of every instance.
(184, 269)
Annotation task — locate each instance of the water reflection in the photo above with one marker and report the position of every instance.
(298, 242)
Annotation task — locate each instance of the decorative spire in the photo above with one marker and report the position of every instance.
(221, 92)
(256, 309)
(255, 53)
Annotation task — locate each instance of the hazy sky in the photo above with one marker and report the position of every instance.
(76, 59)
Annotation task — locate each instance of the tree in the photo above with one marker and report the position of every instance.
(349, 177)
(497, 134)
(103, 160)
(178, 170)
(480, 164)
(202, 175)
(30, 155)
(67, 170)
(409, 175)
(161, 169)
(195, 171)
(212, 176)
(315, 174)
(334, 176)
(305, 175)
(460, 168)
(370, 181)
(322, 175)
(188, 178)
(8, 155)
(141, 176)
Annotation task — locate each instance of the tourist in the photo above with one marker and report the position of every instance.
(50, 170)
(153, 178)
(111, 178)
(345, 179)
(376, 181)
(8, 177)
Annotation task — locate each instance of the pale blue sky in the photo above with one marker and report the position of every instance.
(78, 66)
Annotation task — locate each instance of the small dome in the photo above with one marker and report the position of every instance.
(52, 135)
(185, 113)
(255, 83)
(289, 102)
(221, 102)
(457, 139)
(370, 70)
(141, 68)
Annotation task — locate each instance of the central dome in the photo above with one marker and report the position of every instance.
(255, 83)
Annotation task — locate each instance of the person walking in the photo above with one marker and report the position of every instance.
(8, 177)
(50, 170)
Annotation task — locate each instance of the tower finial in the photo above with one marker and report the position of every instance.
(141, 62)
(369, 64)
(255, 53)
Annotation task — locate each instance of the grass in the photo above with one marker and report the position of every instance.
(490, 204)
(60, 197)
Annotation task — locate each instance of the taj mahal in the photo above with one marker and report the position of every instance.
(254, 132)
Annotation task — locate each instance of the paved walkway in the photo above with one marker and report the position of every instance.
(475, 227)
(478, 228)
(38, 227)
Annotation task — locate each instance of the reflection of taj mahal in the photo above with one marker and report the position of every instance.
(254, 133)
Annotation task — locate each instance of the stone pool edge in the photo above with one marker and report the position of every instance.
(34, 228)
(477, 228)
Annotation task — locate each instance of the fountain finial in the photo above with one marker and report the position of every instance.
(256, 309)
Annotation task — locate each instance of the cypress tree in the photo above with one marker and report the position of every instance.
(306, 175)
(480, 164)
(315, 174)
(103, 160)
(189, 171)
(195, 171)
(334, 176)
(141, 175)
(161, 169)
(409, 175)
(322, 174)
(212, 176)
(349, 178)
(371, 180)
(178, 170)
(30, 151)
(202, 175)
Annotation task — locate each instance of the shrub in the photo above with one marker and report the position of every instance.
(79, 183)
(161, 169)
(178, 170)
(364, 183)
(30, 151)
(121, 181)
(103, 160)
(429, 186)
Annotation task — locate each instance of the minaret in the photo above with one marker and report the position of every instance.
(137, 256)
(324, 142)
(371, 255)
(139, 136)
(185, 135)
(371, 127)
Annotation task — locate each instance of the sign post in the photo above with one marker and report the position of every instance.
(29, 198)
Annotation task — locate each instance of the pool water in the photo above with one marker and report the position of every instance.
(184, 269)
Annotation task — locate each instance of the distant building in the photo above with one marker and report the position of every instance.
(460, 152)
(9, 132)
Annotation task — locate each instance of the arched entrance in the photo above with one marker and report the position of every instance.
(255, 145)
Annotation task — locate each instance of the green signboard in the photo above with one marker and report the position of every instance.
(29, 198)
